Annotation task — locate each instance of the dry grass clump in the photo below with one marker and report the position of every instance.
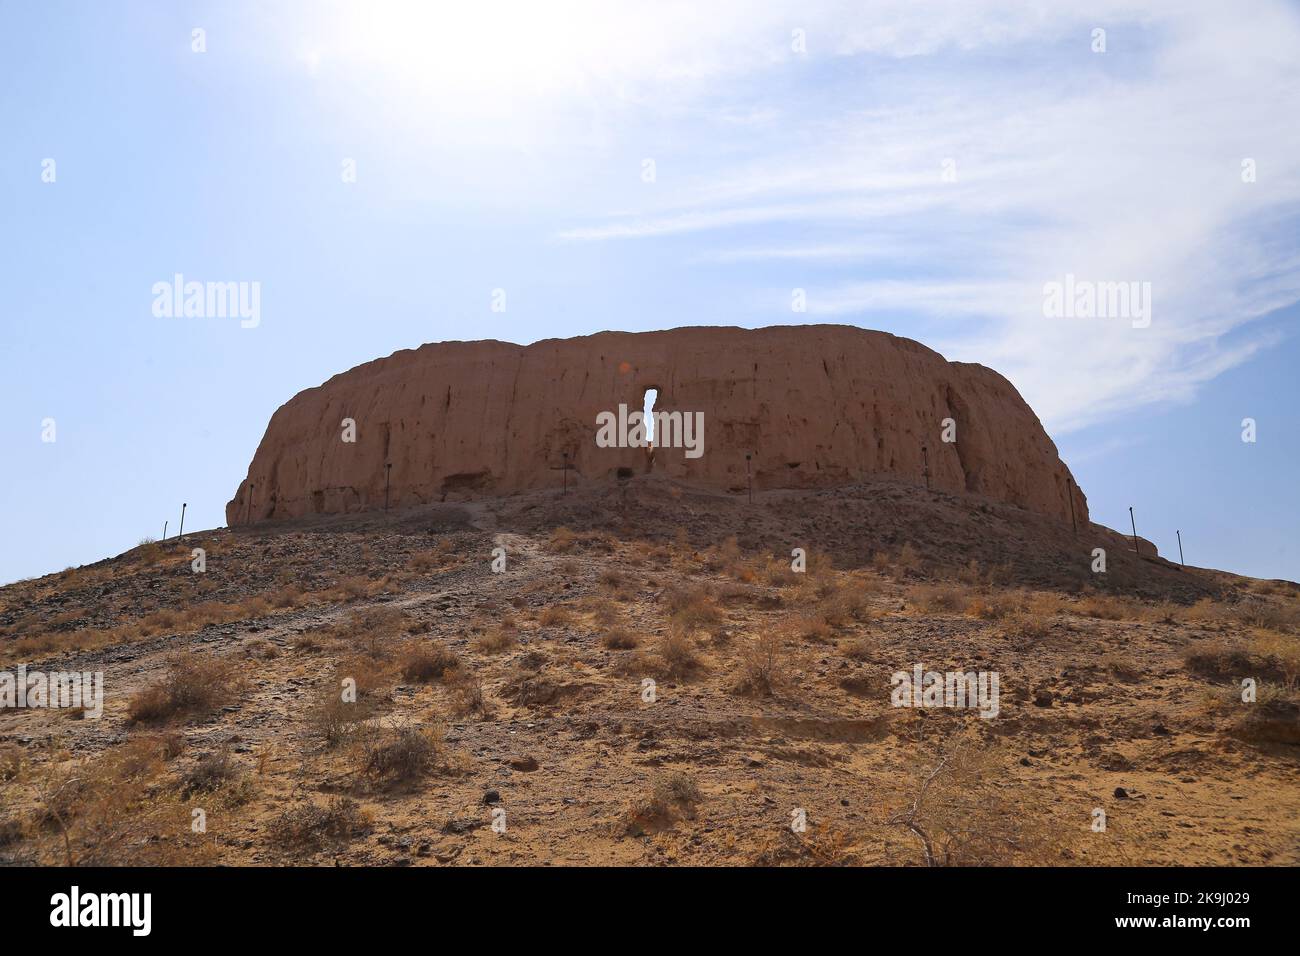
(1218, 657)
(731, 561)
(939, 598)
(1120, 667)
(113, 811)
(333, 719)
(179, 621)
(859, 649)
(192, 685)
(993, 606)
(1273, 718)
(498, 639)
(619, 639)
(1282, 653)
(311, 825)
(1268, 615)
(216, 772)
(469, 699)
(692, 608)
(961, 817)
(1024, 628)
(1105, 607)
(762, 664)
(555, 615)
(678, 653)
(394, 757)
(11, 762)
(356, 586)
(672, 796)
(425, 662)
(563, 540)
(839, 605)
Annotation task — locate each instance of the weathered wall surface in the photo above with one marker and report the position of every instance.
(814, 405)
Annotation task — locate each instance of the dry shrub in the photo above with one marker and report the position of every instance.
(311, 825)
(395, 757)
(469, 699)
(994, 607)
(859, 649)
(262, 650)
(778, 574)
(1268, 615)
(498, 639)
(1274, 717)
(971, 574)
(677, 653)
(555, 616)
(192, 685)
(1104, 607)
(11, 762)
(561, 541)
(1120, 667)
(619, 639)
(761, 665)
(1282, 652)
(111, 811)
(909, 560)
(692, 608)
(960, 817)
(1023, 628)
(425, 662)
(940, 598)
(374, 678)
(335, 720)
(216, 771)
(672, 796)
(1217, 657)
(844, 604)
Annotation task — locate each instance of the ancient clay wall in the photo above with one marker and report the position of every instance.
(813, 405)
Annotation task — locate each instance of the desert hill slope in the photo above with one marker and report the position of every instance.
(519, 698)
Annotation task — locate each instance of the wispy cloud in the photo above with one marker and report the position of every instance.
(1125, 165)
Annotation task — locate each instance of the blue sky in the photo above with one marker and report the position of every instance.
(505, 146)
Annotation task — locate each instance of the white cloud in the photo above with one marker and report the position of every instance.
(1113, 167)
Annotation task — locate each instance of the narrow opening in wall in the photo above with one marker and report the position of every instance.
(648, 410)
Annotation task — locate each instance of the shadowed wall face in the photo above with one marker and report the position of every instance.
(815, 406)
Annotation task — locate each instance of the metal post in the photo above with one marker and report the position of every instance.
(388, 474)
(1135, 531)
(925, 453)
(749, 479)
(1180, 548)
(1069, 490)
(181, 533)
(164, 530)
